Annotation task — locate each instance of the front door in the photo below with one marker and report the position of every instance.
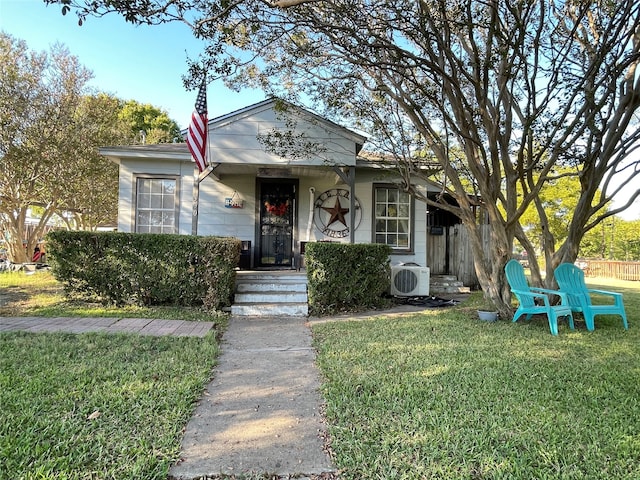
(276, 224)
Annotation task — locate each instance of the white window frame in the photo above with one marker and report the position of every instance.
(155, 202)
(396, 215)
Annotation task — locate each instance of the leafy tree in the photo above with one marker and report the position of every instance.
(520, 88)
(559, 200)
(90, 194)
(39, 95)
(52, 126)
(625, 236)
(615, 239)
(149, 124)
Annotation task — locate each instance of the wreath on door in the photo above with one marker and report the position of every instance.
(278, 209)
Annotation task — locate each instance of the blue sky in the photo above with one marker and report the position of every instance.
(139, 63)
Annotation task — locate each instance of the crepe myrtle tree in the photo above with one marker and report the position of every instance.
(523, 93)
(39, 97)
(52, 126)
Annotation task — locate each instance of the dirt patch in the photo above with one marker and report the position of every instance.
(18, 300)
(12, 300)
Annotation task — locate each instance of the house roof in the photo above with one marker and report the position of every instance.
(159, 151)
(179, 151)
(382, 160)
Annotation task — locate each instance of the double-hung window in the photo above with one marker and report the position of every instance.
(393, 217)
(156, 202)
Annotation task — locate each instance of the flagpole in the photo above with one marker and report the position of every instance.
(196, 199)
(198, 177)
(197, 141)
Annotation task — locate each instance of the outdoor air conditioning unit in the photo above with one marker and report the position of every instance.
(409, 281)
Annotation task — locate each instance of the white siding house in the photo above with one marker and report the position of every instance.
(281, 177)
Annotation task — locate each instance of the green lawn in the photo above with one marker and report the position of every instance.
(97, 406)
(433, 395)
(443, 395)
(40, 295)
(94, 406)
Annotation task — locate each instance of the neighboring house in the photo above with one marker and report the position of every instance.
(281, 178)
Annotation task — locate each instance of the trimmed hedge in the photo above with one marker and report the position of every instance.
(145, 269)
(346, 277)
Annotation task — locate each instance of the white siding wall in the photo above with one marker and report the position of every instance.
(129, 170)
(216, 219)
(125, 198)
(236, 141)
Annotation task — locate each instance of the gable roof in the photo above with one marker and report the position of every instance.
(284, 106)
(246, 115)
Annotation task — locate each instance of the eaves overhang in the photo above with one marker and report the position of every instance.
(161, 151)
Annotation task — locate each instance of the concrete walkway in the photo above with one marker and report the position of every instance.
(260, 414)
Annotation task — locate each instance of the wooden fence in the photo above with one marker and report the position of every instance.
(612, 269)
(450, 253)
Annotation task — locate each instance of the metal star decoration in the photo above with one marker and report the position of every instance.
(337, 213)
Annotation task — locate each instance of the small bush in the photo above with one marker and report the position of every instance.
(145, 269)
(346, 277)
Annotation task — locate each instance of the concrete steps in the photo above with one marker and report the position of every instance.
(444, 284)
(270, 293)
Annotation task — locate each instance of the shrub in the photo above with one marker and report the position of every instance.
(145, 269)
(346, 277)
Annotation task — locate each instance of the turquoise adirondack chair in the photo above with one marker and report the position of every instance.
(570, 280)
(534, 300)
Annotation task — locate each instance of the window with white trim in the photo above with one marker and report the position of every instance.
(392, 221)
(156, 201)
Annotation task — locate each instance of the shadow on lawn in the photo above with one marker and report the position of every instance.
(13, 301)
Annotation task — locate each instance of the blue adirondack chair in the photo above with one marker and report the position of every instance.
(570, 280)
(534, 300)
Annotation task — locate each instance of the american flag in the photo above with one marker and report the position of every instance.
(197, 134)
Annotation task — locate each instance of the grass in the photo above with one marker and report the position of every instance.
(41, 295)
(442, 395)
(94, 406)
(432, 395)
(97, 406)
